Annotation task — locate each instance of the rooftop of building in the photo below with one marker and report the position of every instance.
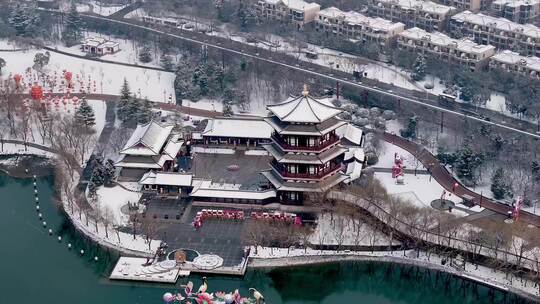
(355, 18)
(440, 39)
(497, 22)
(509, 57)
(425, 6)
(98, 41)
(238, 127)
(304, 109)
(516, 3)
(147, 139)
(298, 5)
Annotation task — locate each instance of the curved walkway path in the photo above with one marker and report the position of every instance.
(447, 180)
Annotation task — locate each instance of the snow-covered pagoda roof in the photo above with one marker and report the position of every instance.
(147, 139)
(304, 109)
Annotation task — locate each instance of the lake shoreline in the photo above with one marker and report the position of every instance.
(294, 261)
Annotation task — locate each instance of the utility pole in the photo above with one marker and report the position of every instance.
(442, 122)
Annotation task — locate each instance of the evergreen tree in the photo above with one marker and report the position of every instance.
(419, 68)
(499, 187)
(227, 108)
(410, 131)
(24, 21)
(97, 178)
(41, 60)
(244, 15)
(535, 169)
(132, 112)
(145, 55)
(125, 98)
(144, 114)
(467, 161)
(85, 114)
(166, 62)
(466, 94)
(109, 172)
(72, 32)
(2, 64)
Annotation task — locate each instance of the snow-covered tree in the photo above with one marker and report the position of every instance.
(410, 131)
(24, 21)
(145, 54)
(166, 62)
(144, 114)
(109, 172)
(132, 112)
(98, 176)
(227, 108)
(467, 161)
(2, 64)
(85, 114)
(125, 98)
(499, 187)
(41, 60)
(72, 32)
(419, 68)
(535, 169)
(245, 15)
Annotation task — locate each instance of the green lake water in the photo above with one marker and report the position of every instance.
(36, 268)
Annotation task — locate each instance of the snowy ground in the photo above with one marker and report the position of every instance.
(98, 8)
(204, 104)
(114, 198)
(387, 156)
(91, 76)
(20, 149)
(344, 230)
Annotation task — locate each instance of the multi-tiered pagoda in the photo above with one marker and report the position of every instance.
(312, 149)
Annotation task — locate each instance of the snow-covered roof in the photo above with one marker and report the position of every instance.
(355, 18)
(147, 139)
(149, 178)
(512, 58)
(173, 146)
(356, 153)
(205, 188)
(420, 5)
(351, 133)
(166, 179)
(516, 3)
(304, 109)
(300, 5)
(498, 23)
(237, 127)
(354, 169)
(440, 39)
(173, 179)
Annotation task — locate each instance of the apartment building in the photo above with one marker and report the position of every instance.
(297, 11)
(520, 11)
(437, 45)
(471, 5)
(515, 63)
(357, 27)
(427, 15)
(497, 31)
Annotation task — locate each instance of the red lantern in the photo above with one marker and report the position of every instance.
(36, 92)
(17, 78)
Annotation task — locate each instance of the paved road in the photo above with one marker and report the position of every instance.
(311, 69)
(447, 180)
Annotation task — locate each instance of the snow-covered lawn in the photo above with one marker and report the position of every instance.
(204, 104)
(20, 149)
(338, 229)
(387, 156)
(106, 78)
(418, 190)
(98, 8)
(114, 198)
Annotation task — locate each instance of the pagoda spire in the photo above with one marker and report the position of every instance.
(305, 92)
